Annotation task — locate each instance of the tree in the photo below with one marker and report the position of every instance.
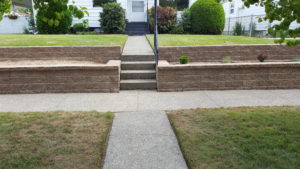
(5, 6)
(285, 11)
(55, 16)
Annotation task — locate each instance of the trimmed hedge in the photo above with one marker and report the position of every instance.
(112, 19)
(208, 17)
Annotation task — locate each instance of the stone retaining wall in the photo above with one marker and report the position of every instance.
(281, 75)
(235, 52)
(101, 54)
(60, 79)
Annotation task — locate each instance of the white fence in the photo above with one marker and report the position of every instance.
(13, 26)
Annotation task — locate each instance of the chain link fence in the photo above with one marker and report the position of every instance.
(250, 26)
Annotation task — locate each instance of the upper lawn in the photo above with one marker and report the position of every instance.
(62, 40)
(53, 140)
(194, 40)
(239, 138)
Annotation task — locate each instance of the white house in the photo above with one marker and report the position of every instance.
(235, 11)
(136, 10)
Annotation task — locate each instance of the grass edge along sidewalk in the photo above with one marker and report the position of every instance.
(53, 139)
(240, 138)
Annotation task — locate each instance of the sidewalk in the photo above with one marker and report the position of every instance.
(137, 45)
(147, 100)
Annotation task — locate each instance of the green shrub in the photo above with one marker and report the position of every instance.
(226, 60)
(112, 19)
(102, 2)
(262, 57)
(238, 29)
(166, 19)
(184, 59)
(63, 26)
(177, 30)
(81, 27)
(207, 17)
(186, 20)
(177, 4)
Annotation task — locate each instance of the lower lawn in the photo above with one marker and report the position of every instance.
(194, 40)
(53, 139)
(239, 138)
(62, 40)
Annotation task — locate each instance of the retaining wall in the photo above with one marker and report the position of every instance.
(60, 79)
(101, 54)
(235, 52)
(281, 75)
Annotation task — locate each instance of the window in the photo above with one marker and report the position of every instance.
(137, 6)
(231, 8)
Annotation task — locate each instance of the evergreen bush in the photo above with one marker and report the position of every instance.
(112, 19)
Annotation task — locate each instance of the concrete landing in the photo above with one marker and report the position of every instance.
(143, 140)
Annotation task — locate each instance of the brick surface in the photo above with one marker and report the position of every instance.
(280, 75)
(236, 52)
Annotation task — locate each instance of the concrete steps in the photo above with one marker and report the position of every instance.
(136, 28)
(138, 72)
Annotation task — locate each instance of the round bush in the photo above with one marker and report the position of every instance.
(166, 19)
(112, 19)
(207, 17)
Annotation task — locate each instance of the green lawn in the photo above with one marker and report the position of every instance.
(53, 140)
(239, 138)
(194, 40)
(62, 40)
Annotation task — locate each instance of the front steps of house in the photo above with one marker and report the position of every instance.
(136, 28)
(138, 72)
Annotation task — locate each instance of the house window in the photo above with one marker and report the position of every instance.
(137, 6)
(231, 8)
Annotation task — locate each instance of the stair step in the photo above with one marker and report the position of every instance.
(137, 84)
(139, 65)
(138, 74)
(147, 57)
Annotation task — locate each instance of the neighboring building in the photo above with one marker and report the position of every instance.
(136, 10)
(235, 11)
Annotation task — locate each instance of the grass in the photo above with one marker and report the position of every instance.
(195, 40)
(53, 140)
(62, 40)
(239, 138)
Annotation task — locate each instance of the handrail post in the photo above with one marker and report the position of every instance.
(155, 32)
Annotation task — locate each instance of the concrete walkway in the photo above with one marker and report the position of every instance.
(147, 100)
(137, 45)
(143, 140)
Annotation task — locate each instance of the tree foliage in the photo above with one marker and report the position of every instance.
(284, 11)
(55, 16)
(208, 17)
(4, 7)
(102, 2)
(177, 4)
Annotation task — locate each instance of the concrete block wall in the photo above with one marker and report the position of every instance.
(235, 52)
(281, 75)
(100, 54)
(60, 79)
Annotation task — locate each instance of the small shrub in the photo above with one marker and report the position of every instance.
(262, 57)
(166, 19)
(226, 60)
(112, 19)
(208, 17)
(177, 30)
(184, 59)
(102, 2)
(81, 27)
(297, 59)
(252, 27)
(186, 20)
(26, 31)
(13, 16)
(238, 29)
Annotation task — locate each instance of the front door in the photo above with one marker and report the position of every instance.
(137, 11)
